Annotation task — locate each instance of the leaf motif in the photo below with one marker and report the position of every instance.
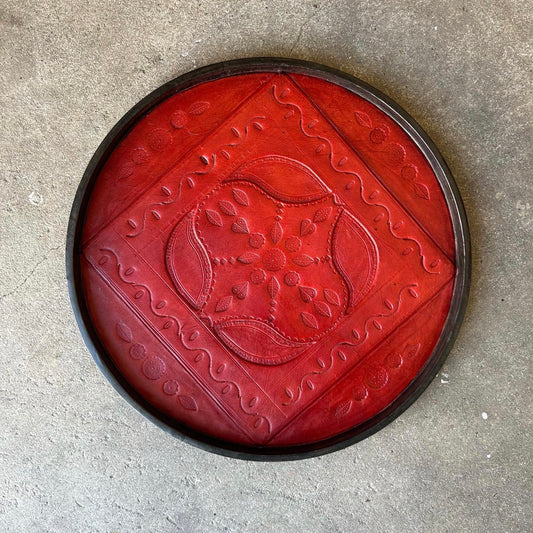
(342, 355)
(194, 335)
(227, 208)
(223, 304)
(240, 226)
(132, 223)
(224, 154)
(235, 132)
(377, 325)
(240, 290)
(323, 309)
(156, 214)
(412, 292)
(198, 108)
(310, 384)
(343, 409)
(273, 287)
(240, 197)
(213, 217)
(309, 320)
(276, 232)
(306, 227)
(190, 182)
(356, 334)
(188, 402)
(165, 191)
(257, 126)
(307, 293)
(322, 214)
(303, 260)
(363, 119)
(411, 350)
(320, 363)
(388, 304)
(398, 225)
(421, 190)
(247, 257)
(289, 394)
(124, 332)
(332, 297)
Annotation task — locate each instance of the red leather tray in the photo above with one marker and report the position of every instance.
(268, 258)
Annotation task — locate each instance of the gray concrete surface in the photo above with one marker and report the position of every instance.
(75, 457)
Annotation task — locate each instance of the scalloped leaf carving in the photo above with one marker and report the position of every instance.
(343, 409)
(247, 258)
(198, 108)
(227, 208)
(240, 226)
(224, 304)
(273, 287)
(332, 297)
(322, 214)
(323, 309)
(276, 232)
(303, 260)
(363, 119)
(124, 332)
(240, 197)
(421, 191)
(309, 320)
(213, 217)
(307, 293)
(188, 402)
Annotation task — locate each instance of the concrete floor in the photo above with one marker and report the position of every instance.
(75, 457)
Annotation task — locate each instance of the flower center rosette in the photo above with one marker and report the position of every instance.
(271, 259)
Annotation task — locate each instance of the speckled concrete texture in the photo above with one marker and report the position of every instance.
(74, 456)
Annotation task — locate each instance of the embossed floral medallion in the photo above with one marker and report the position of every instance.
(266, 260)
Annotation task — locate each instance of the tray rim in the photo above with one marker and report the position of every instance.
(462, 257)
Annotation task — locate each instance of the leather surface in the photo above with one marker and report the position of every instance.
(268, 259)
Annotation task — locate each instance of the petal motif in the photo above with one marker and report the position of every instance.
(258, 342)
(283, 178)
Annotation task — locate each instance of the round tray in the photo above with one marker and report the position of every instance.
(268, 258)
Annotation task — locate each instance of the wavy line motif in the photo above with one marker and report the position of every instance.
(348, 172)
(135, 284)
(246, 129)
(181, 338)
(224, 381)
(174, 200)
(196, 173)
(325, 368)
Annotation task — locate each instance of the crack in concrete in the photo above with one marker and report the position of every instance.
(304, 24)
(32, 272)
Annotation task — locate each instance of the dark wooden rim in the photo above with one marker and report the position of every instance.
(417, 135)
